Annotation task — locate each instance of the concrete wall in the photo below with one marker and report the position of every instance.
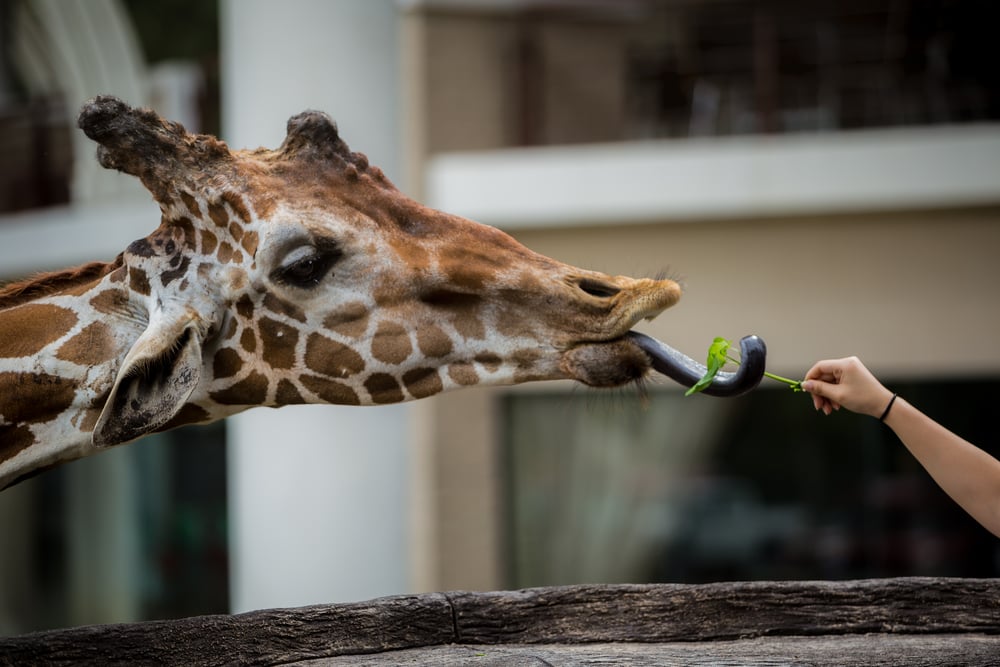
(317, 504)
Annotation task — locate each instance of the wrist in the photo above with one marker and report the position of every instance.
(899, 408)
(888, 408)
(876, 404)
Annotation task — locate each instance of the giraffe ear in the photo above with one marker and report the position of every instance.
(158, 375)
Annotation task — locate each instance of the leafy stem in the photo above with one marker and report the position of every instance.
(718, 356)
(795, 385)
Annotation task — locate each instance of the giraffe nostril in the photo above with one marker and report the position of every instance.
(597, 288)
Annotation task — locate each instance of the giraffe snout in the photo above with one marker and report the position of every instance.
(630, 300)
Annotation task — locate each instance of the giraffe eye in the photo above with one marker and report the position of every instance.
(308, 271)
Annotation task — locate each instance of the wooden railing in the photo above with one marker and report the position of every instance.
(908, 621)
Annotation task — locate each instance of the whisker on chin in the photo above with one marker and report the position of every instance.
(620, 400)
(667, 273)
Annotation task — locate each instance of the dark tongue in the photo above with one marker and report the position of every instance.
(687, 371)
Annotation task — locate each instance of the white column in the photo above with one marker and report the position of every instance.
(317, 493)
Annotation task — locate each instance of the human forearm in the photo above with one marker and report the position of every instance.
(966, 473)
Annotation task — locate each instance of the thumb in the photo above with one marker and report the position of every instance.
(817, 387)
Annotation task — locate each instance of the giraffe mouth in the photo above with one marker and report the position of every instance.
(686, 371)
(631, 357)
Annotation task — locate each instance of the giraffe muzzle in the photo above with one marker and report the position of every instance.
(686, 371)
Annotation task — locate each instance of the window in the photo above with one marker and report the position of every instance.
(699, 489)
(134, 533)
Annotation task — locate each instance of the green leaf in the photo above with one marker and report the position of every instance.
(718, 352)
(717, 356)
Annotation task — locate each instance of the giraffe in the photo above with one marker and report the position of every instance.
(296, 275)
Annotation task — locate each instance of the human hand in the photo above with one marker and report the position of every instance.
(845, 382)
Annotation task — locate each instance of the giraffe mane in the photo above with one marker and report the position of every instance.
(44, 284)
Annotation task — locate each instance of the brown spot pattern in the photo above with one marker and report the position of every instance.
(225, 253)
(330, 391)
(118, 275)
(244, 307)
(138, 281)
(278, 341)
(329, 357)
(249, 243)
(87, 419)
(526, 358)
(282, 307)
(287, 394)
(251, 390)
(384, 388)
(34, 397)
(463, 374)
(192, 204)
(14, 439)
(423, 382)
(190, 236)
(226, 363)
(248, 340)
(209, 242)
(110, 302)
(93, 345)
(350, 321)
(414, 256)
(236, 203)
(470, 327)
(464, 274)
(26, 329)
(217, 212)
(490, 361)
(168, 277)
(391, 343)
(433, 342)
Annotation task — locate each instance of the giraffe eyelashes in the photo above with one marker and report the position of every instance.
(307, 267)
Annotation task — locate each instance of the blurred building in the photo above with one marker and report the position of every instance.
(822, 174)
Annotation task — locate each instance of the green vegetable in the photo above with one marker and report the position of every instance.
(718, 356)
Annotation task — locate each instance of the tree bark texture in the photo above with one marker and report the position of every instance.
(907, 621)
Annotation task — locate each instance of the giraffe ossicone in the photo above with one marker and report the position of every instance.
(293, 275)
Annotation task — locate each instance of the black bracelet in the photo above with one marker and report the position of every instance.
(887, 408)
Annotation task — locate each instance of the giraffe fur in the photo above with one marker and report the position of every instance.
(287, 276)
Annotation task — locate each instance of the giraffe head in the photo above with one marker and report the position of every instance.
(301, 275)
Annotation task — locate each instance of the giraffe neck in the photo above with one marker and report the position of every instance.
(59, 354)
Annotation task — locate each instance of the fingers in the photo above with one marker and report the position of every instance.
(831, 370)
(843, 382)
(825, 394)
(824, 382)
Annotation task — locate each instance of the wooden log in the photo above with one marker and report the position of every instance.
(781, 616)
(678, 612)
(843, 651)
(256, 638)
